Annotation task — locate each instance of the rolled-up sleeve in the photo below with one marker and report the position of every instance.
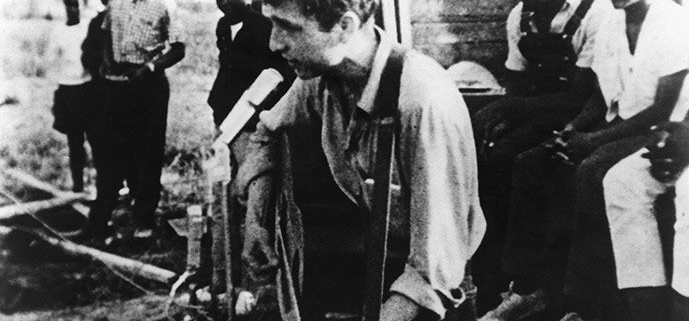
(446, 222)
(515, 61)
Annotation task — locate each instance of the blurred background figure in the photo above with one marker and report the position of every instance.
(72, 104)
(242, 38)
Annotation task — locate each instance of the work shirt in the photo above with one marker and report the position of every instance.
(64, 54)
(582, 41)
(629, 81)
(439, 188)
(140, 29)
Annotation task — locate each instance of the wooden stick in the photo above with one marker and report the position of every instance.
(38, 184)
(9, 211)
(124, 264)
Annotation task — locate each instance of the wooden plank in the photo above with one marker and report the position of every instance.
(490, 55)
(48, 188)
(130, 266)
(10, 211)
(448, 33)
(440, 10)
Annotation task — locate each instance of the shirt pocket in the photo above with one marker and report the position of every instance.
(149, 32)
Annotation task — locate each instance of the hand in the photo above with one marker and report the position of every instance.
(668, 151)
(268, 120)
(258, 256)
(578, 146)
(399, 308)
(138, 74)
(245, 303)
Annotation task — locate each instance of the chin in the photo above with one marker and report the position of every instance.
(305, 74)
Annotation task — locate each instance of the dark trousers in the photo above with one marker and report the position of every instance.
(77, 159)
(128, 141)
(550, 201)
(495, 175)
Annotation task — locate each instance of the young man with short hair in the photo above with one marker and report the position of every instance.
(340, 57)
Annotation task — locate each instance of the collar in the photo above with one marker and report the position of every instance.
(368, 95)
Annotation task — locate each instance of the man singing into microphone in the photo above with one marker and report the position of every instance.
(342, 61)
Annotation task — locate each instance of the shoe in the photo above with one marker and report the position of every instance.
(92, 233)
(516, 307)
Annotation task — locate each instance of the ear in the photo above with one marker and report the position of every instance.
(349, 24)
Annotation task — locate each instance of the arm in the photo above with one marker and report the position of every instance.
(438, 169)
(171, 57)
(668, 91)
(168, 58)
(593, 112)
(542, 108)
(515, 80)
(578, 145)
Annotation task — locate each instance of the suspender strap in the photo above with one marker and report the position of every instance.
(574, 22)
(571, 26)
(376, 241)
(525, 20)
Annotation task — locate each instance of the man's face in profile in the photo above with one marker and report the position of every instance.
(309, 49)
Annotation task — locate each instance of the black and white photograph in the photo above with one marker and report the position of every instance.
(344, 160)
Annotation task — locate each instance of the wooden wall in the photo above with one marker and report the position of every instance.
(454, 30)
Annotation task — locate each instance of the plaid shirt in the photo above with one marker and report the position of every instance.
(140, 29)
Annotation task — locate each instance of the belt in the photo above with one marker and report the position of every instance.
(117, 71)
(117, 78)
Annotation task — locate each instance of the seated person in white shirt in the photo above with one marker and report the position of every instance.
(631, 188)
(641, 64)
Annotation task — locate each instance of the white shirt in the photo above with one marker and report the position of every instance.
(662, 49)
(64, 54)
(582, 40)
(234, 29)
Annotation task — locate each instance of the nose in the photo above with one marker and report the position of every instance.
(277, 43)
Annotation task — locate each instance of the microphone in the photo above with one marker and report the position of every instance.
(245, 107)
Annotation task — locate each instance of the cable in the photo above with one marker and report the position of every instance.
(62, 238)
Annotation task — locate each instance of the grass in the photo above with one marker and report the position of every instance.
(28, 141)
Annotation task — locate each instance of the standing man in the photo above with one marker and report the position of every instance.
(130, 134)
(242, 38)
(340, 58)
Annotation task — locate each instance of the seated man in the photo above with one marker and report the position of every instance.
(549, 80)
(641, 73)
(631, 188)
(549, 59)
(341, 60)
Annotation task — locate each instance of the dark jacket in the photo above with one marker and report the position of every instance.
(242, 60)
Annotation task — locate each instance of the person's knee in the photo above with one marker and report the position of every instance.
(618, 184)
(526, 163)
(590, 172)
